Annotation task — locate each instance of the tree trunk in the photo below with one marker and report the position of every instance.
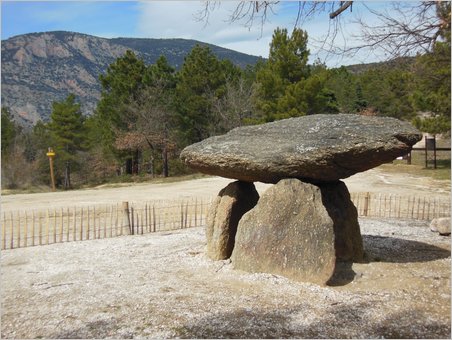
(129, 166)
(165, 161)
(67, 177)
(136, 159)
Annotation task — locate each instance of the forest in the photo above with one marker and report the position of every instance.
(148, 113)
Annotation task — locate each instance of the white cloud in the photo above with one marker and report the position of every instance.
(178, 19)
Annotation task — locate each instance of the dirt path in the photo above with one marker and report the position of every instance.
(374, 180)
(163, 286)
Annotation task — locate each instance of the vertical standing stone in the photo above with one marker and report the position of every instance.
(347, 235)
(224, 214)
(289, 232)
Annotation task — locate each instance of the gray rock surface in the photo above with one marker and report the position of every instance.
(289, 233)
(317, 148)
(224, 214)
(347, 235)
(441, 225)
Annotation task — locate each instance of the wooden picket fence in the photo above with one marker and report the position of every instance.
(32, 228)
(400, 207)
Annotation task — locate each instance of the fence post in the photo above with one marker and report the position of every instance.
(26, 230)
(47, 226)
(186, 215)
(4, 231)
(132, 231)
(111, 221)
(366, 204)
(33, 230)
(125, 217)
(12, 230)
(18, 229)
(61, 225)
(74, 233)
(154, 217)
(81, 224)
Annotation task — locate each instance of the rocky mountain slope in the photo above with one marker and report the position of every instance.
(40, 68)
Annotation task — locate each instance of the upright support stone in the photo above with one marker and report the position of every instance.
(289, 232)
(225, 212)
(347, 235)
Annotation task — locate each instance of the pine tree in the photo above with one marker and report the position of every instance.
(201, 80)
(66, 132)
(287, 86)
(121, 85)
(8, 130)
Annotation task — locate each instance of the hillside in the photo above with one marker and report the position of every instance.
(40, 68)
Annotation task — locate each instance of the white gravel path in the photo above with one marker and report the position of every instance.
(162, 286)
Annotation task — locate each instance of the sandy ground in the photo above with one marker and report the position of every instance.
(163, 286)
(374, 180)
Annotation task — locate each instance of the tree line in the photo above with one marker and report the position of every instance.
(148, 113)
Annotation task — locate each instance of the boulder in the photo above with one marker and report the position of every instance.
(441, 225)
(317, 148)
(347, 235)
(223, 217)
(289, 232)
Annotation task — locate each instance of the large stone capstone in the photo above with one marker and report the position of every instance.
(317, 148)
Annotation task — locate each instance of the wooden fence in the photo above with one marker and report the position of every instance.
(400, 207)
(31, 228)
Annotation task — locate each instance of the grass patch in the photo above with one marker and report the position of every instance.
(417, 167)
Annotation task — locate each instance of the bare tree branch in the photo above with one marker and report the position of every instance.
(342, 8)
(406, 29)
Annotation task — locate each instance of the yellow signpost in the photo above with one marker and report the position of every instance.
(50, 153)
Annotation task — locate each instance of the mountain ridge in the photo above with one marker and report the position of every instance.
(42, 67)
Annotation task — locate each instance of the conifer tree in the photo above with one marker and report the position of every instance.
(201, 80)
(121, 85)
(66, 132)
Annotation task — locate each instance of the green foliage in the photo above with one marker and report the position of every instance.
(120, 85)
(8, 130)
(433, 125)
(201, 80)
(66, 132)
(148, 113)
(347, 91)
(287, 86)
(66, 128)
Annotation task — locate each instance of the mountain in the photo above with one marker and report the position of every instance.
(40, 68)
(401, 63)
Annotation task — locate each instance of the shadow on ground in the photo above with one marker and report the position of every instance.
(396, 250)
(390, 250)
(337, 321)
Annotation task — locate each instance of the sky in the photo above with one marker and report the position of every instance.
(172, 19)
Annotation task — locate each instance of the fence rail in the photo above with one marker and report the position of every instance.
(25, 229)
(400, 207)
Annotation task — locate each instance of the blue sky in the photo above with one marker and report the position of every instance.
(161, 19)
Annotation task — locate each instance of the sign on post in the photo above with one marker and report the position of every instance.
(50, 153)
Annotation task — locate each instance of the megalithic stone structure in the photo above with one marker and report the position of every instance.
(305, 223)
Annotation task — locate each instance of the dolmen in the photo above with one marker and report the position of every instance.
(306, 223)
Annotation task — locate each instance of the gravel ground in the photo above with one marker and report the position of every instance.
(163, 286)
(375, 181)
